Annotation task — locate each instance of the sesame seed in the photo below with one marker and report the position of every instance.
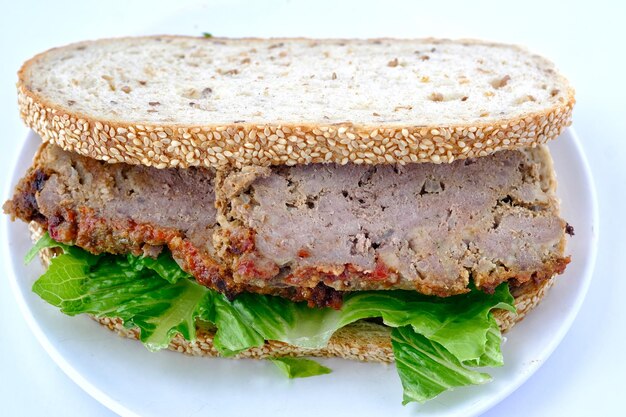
(247, 144)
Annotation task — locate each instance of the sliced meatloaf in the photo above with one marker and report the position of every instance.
(425, 227)
(312, 232)
(120, 208)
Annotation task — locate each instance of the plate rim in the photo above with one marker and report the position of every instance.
(587, 274)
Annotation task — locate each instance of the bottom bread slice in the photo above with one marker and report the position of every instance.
(362, 340)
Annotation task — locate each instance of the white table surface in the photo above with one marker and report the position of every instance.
(585, 39)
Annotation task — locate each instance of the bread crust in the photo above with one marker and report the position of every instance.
(362, 340)
(239, 144)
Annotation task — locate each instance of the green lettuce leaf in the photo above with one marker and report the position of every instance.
(492, 355)
(109, 286)
(441, 337)
(165, 266)
(426, 368)
(45, 242)
(233, 332)
(460, 324)
(276, 318)
(300, 367)
(435, 340)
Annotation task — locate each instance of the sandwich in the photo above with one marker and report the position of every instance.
(378, 200)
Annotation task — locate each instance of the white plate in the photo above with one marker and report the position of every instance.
(129, 380)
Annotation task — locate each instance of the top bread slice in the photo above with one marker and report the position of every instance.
(173, 101)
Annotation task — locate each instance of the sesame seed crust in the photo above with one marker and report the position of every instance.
(239, 143)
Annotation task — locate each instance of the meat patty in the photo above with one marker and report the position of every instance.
(120, 208)
(425, 227)
(311, 232)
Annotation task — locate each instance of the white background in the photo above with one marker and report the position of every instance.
(585, 374)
